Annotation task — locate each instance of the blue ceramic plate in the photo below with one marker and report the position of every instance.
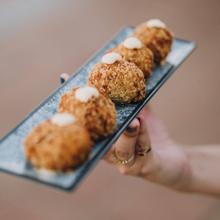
(12, 158)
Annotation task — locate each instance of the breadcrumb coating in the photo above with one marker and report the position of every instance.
(58, 148)
(122, 81)
(98, 114)
(142, 57)
(158, 40)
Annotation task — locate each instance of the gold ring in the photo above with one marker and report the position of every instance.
(122, 162)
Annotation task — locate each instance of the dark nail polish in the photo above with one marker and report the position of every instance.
(131, 129)
(62, 80)
(64, 77)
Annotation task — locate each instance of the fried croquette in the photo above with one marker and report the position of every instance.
(157, 37)
(120, 80)
(133, 50)
(58, 144)
(93, 110)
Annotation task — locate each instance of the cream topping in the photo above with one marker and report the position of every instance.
(63, 119)
(155, 23)
(85, 93)
(111, 58)
(132, 43)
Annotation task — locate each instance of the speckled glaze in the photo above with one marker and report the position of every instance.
(12, 158)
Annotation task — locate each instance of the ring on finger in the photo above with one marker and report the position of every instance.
(143, 151)
(120, 161)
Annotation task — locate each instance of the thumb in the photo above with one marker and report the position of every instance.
(124, 147)
(144, 143)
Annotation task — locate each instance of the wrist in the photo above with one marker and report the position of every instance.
(170, 169)
(185, 183)
(204, 162)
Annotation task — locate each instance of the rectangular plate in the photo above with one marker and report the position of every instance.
(12, 158)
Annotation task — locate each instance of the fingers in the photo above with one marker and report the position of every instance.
(124, 148)
(135, 169)
(141, 149)
(64, 77)
(143, 142)
(135, 142)
(133, 129)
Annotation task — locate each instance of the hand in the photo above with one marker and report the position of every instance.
(145, 150)
(166, 163)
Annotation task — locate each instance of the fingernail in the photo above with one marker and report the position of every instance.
(131, 129)
(64, 77)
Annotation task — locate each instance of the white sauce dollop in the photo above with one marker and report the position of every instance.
(62, 119)
(155, 23)
(132, 43)
(85, 93)
(111, 58)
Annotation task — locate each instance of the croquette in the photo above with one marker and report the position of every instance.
(58, 144)
(157, 37)
(120, 80)
(93, 110)
(133, 50)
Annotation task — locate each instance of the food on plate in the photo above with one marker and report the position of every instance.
(156, 36)
(92, 109)
(133, 50)
(120, 80)
(59, 143)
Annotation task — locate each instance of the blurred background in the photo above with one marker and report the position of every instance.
(39, 39)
